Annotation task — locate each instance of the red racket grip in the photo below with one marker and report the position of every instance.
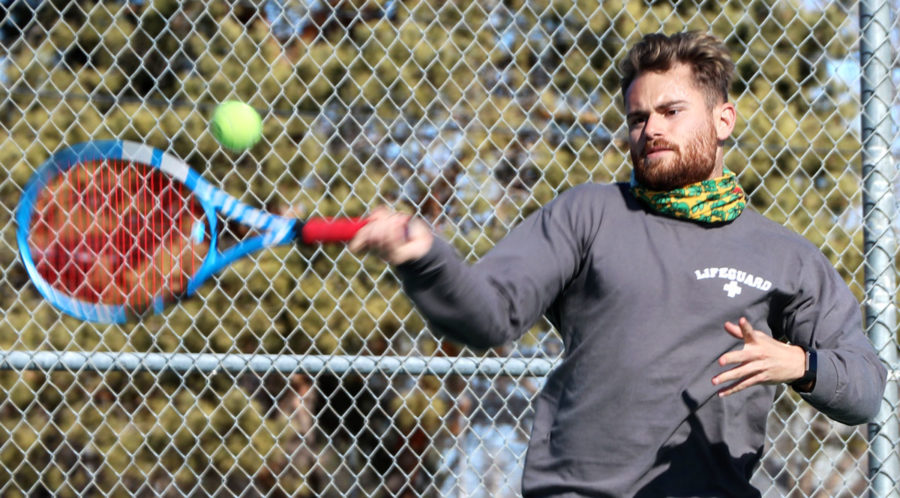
(325, 230)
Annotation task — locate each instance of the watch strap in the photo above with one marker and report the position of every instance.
(808, 381)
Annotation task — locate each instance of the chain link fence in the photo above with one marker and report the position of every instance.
(305, 371)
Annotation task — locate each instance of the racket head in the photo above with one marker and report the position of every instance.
(109, 230)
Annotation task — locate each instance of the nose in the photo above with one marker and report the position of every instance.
(653, 127)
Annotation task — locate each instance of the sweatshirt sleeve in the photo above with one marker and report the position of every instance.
(825, 316)
(500, 297)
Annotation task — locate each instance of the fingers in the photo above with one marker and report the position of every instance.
(747, 373)
(734, 330)
(394, 237)
(383, 232)
(761, 360)
(754, 369)
(743, 330)
(747, 365)
(379, 213)
(743, 384)
(739, 356)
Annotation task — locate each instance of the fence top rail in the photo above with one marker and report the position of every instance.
(284, 363)
(263, 363)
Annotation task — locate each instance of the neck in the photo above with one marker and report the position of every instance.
(717, 172)
(715, 200)
(719, 168)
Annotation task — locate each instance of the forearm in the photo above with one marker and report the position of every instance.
(825, 316)
(849, 385)
(458, 300)
(498, 298)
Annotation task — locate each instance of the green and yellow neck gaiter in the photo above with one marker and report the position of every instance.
(710, 201)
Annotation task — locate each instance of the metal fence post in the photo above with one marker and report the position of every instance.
(879, 212)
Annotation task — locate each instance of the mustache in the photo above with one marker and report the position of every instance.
(658, 143)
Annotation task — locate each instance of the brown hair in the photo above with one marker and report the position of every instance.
(706, 54)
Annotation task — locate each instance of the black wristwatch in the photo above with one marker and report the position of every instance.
(806, 383)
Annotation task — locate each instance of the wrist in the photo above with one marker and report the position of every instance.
(807, 381)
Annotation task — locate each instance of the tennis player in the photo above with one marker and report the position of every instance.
(680, 307)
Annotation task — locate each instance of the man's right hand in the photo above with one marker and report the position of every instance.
(394, 237)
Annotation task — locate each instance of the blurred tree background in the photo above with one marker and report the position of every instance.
(471, 114)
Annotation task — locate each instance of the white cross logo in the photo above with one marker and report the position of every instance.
(732, 288)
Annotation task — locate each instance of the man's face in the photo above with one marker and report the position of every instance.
(671, 130)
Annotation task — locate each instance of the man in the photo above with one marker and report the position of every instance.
(653, 397)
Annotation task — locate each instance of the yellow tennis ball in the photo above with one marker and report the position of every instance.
(236, 125)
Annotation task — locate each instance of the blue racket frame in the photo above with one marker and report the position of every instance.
(276, 230)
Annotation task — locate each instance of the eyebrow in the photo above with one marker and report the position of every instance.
(671, 103)
(664, 105)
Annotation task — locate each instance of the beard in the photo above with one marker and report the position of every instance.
(692, 163)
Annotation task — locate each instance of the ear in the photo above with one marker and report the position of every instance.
(725, 117)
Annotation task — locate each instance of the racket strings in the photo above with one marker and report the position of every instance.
(116, 232)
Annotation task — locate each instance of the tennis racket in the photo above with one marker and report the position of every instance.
(111, 230)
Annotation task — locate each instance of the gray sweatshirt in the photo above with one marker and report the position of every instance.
(640, 301)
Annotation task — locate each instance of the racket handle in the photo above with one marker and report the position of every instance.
(325, 230)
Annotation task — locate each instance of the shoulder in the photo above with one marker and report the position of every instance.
(595, 189)
(594, 201)
(579, 211)
(771, 233)
(794, 253)
(594, 194)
